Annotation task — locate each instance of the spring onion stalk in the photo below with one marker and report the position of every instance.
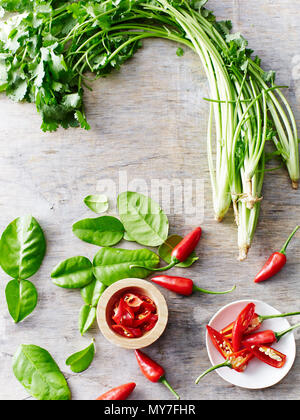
(248, 218)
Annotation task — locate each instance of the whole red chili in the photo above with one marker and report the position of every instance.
(183, 286)
(267, 337)
(237, 361)
(181, 252)
(223, 346)
(276, 262)
(241, 324)
(255, 323)
(119, 393)
(153, 371)
(267, 355)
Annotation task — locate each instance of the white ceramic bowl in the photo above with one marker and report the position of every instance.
(258, 375)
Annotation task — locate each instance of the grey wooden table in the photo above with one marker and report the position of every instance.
(149, 122)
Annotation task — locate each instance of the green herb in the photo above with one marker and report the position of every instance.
(22, 248)
(102, 231)
(97, 203)
(73, 273)
(91, 295)
(87, 318)
(143, 219)
(21, 297)
(180, 52)
(113, 264)
(37, 371)
(81, 360)
(167, 247)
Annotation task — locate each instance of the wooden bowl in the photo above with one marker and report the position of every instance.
(112, 295)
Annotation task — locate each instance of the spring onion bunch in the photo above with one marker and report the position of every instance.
(48, 49)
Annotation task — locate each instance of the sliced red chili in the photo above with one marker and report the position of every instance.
(140, 319)
(223, 346)
(241, 324)
(148, 326)
(127, 331)
(133, 301)
(148, 303)
(123, 314)
(239, 361)
(267, 355)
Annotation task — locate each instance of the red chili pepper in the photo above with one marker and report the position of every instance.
(123, 314)
(183, 286)
(241, 324)
(133, 301)
(181, 252)
(147, 326)
(127, 331)
(267, 337)
(119, 393)
(142, 318)
(268, 355)
(148, 303)
(223, 346)
(275, 263)
(152, 370)
(237, 361)
(255, 323)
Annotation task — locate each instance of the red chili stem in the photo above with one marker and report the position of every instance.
(210, 292)
(283, 249)
(280, 334)
(170, 388)
(167, 267)
(211, 369)
(265, 317)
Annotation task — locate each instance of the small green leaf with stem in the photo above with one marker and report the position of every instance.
(81, 360)
(98, 203)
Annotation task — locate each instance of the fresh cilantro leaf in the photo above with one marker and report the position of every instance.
(180, 52)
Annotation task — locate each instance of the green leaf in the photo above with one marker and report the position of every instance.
(165, 250)
(98, 203)
(80, 117)
(87, 317)
(81, 360)
(127, 237)
(143, 219)
(21, 297)
(113, 264)
(37, 371)
(179, 52)
(92, 293)
(22, 248)
(73, 273)
(102, 231)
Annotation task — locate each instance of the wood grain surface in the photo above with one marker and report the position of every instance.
(149, 122)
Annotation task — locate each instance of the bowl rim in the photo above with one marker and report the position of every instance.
(148, 338)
